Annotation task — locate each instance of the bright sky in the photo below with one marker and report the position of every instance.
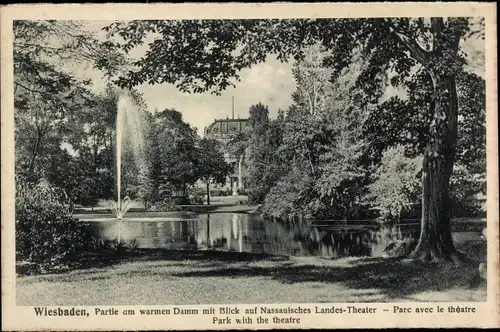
(270, 82)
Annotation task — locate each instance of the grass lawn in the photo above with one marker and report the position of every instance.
(202, 277)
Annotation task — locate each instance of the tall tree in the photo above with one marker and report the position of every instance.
(322, 138)
(205, 55)
(171, 155)
(262, 157)
(210, 164)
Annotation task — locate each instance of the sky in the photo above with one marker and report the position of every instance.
(270, 82)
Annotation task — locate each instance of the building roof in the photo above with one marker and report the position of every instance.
(225, 128)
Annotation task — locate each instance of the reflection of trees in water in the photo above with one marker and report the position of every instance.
(300, 237)
(165, 234)
(249, 233)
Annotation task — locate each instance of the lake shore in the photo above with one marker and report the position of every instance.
(218, 204)
(210, 276)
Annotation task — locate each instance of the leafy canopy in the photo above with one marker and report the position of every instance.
(205, 55)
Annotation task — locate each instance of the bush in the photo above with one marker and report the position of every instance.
(196, 198)
(290, 197)
(395, 186)
(115, 246)
(46, 233)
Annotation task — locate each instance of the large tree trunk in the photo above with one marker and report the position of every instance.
(435, 242)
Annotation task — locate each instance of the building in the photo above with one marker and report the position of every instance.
(223, 130)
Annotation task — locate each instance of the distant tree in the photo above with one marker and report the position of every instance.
(171, 155)
(238, 144)
(322, 138)
(211, 166)
(262, 160)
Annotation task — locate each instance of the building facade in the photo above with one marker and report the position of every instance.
(223, 130)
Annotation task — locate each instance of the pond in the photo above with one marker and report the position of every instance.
(241, 232)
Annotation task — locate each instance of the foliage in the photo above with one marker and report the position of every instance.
(262, 158)
(468, 181)
(468, 192)
(114, 246)
(383, 130)
(76, 177)
(291, 196)
(196, 197)
(395, 184)
(47, 97)
(322, 141)
(45, 231)
(171, 157)
(210, 163)
(471, 144)
(238, 44)
(237, 145)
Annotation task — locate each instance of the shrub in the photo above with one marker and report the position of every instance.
(196, 198)
(396, 184)
(467, 192)
(46, 233)
(290, 197)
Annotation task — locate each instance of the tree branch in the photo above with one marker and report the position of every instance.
(28, 89)
(417, 52)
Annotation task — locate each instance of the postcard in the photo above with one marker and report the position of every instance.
(249, 166)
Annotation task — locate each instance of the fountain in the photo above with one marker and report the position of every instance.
(129, 138)
(120, 209)
(127, 119)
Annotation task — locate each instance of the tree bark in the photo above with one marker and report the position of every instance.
(435, 242)
(34, 155)
(240, 174)
(208, 193)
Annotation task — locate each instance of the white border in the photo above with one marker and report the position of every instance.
(22, 318)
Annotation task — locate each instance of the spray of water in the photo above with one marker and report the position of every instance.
(128, 122)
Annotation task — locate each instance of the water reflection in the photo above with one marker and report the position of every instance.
(249, 233)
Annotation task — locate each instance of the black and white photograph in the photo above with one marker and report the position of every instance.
(250, 161)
